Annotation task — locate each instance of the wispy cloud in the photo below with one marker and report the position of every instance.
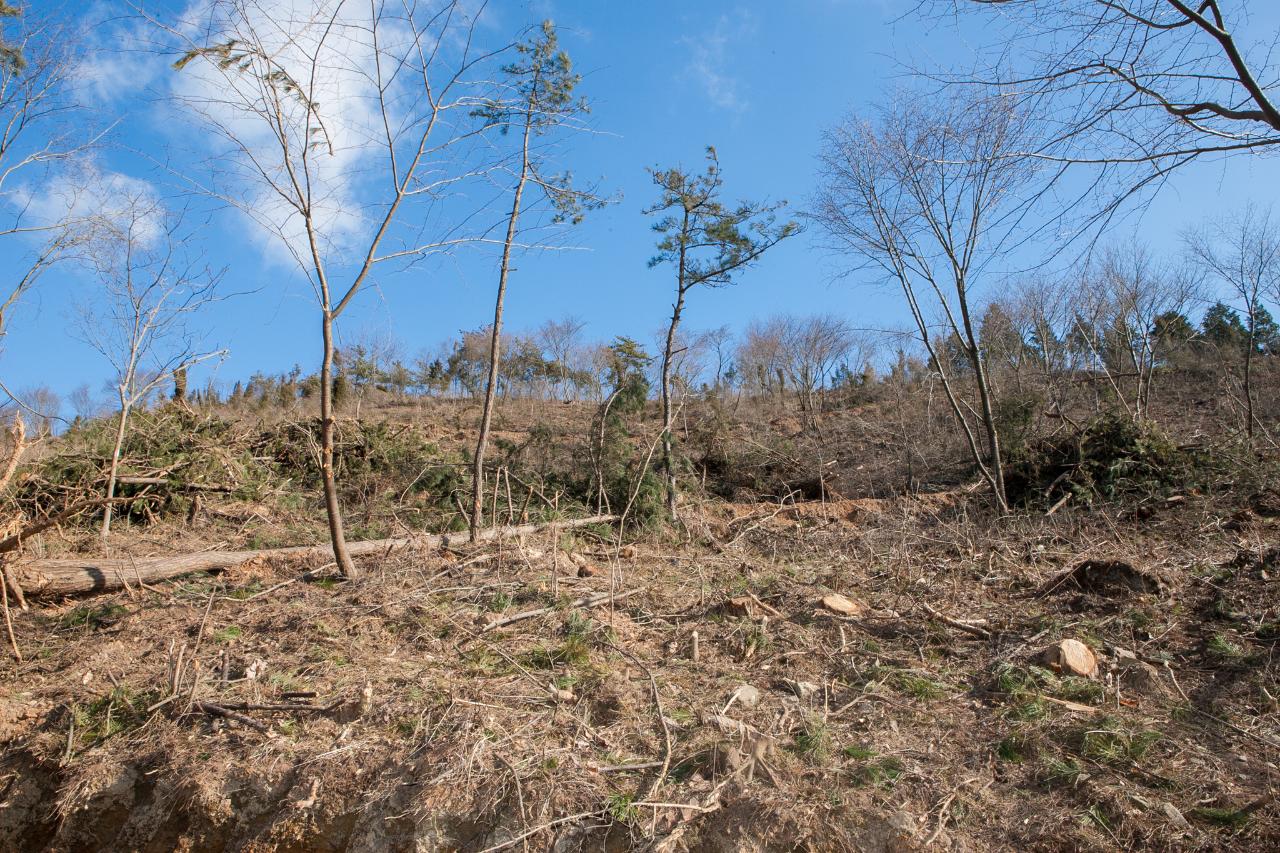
(119, 60)
(85, 192)
(710, 60)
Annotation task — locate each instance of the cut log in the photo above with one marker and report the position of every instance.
(177, 486)
(88, 575)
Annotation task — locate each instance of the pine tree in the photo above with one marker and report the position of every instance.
(707, 243)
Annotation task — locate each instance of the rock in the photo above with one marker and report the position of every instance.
(746, 696)
(627, 552)
(588, 570)
(561, 695)
(844, 606)
(804, 690)
(1072, 657)
(1175, 816)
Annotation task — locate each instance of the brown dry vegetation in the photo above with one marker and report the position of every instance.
(415, 723)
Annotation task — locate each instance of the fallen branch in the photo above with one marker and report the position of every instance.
(12, 543)
(219, 711)
(956, 623)
(47, 578)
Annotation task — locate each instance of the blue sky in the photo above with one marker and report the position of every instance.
(759, 80)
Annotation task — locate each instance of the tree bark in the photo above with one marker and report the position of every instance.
(984, 397)
(52, 578)
(337, 534)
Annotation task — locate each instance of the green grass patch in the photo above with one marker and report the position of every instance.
(813, 742)
(1226, 818)
(93, 616)
(1109, 742)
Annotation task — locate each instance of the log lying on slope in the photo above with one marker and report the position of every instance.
(51, 578)
(175, 485)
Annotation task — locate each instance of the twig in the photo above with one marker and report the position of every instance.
(662, 718)
(585, 601)
(512, 842)
(8, 620)
(956, 623)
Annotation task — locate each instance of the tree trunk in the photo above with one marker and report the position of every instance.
(1248, 376)
(984, 396)
(668, 451)
(52, 578)
(337, 535)
(121, 424)
(495, 343)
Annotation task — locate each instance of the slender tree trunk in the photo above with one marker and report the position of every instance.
(1248, 377)
(121, 424)
(985, 399)
(668, 450)
(337, 534)
(495, 343)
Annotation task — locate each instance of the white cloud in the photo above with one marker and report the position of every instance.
(709, 62)
(327, 47)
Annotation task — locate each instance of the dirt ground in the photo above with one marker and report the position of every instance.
(719, 699)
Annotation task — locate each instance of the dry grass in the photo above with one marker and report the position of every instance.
(877, 732)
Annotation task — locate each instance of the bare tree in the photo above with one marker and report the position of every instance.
(38, 132)
(1119, 302)
(140, 319)
(707, 243)
(931, 196)
(760, 356)
(343, 130)
(1132, 84)
(44, 404)
(1242, 251)
(720, 341)
(813, 347)
(539, 103)
(83, 403)
(560, 339)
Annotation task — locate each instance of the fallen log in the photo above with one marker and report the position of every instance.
(176, 485)
(91, 575)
